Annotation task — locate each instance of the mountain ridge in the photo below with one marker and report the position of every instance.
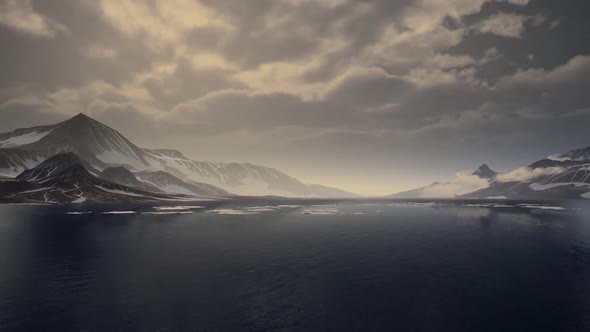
(103, 147)
(64, 179)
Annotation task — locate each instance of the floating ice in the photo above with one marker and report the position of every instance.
(232, 212)
(178, 208)
(544, 207)
(261, 208)
(321, 211)
(119, 212)
(168, 212)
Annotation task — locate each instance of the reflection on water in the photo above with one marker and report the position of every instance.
(366, 266)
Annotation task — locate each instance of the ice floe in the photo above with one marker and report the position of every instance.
(232, 212)
(167, 212)
(119, 212)
(178, 208)
(321, 211)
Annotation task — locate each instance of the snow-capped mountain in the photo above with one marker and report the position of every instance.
(103, 147)
(556, 177)
(63, 178)
(461, 184)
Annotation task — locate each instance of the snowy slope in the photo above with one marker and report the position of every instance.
(173, 185)
(64, 179)
(123, 176)
(557, 177)
(103, 147)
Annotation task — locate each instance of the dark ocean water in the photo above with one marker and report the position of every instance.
(383, 266)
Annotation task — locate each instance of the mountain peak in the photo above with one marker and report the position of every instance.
(485, 172)
(80, 115)
(51, 166)
(81, 118)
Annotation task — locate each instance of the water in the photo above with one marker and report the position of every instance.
(353, 266)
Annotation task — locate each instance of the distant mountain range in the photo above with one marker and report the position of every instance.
(566, 176)
(562, 177)
(107, 155)
(81, 160)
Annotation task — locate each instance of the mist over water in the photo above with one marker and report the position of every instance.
(297, 266)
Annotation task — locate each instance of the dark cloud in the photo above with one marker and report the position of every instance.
(554, 42)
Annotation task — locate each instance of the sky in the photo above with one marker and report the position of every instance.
(371, 96)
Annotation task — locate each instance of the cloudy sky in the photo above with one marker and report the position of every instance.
(372, 96)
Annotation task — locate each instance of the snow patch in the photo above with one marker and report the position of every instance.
(80, 199)
(79, 212)
(24, 139)
(538, 186)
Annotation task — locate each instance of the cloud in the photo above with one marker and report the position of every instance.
(463, 183)
(21, 16)
(507, 24)
(525, 174)
(164, 23)
(101, 52)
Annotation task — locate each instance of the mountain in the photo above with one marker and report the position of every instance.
(415, 193)
(485, 172)
(566, 176)
(103, 147)
(461, 184)
(173, 185)
(63, 178)
(123, 176)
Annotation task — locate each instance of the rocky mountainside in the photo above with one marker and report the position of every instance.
(63, 178)
(171, 184)
(485, 172)
(103, 147)
(123, 176)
